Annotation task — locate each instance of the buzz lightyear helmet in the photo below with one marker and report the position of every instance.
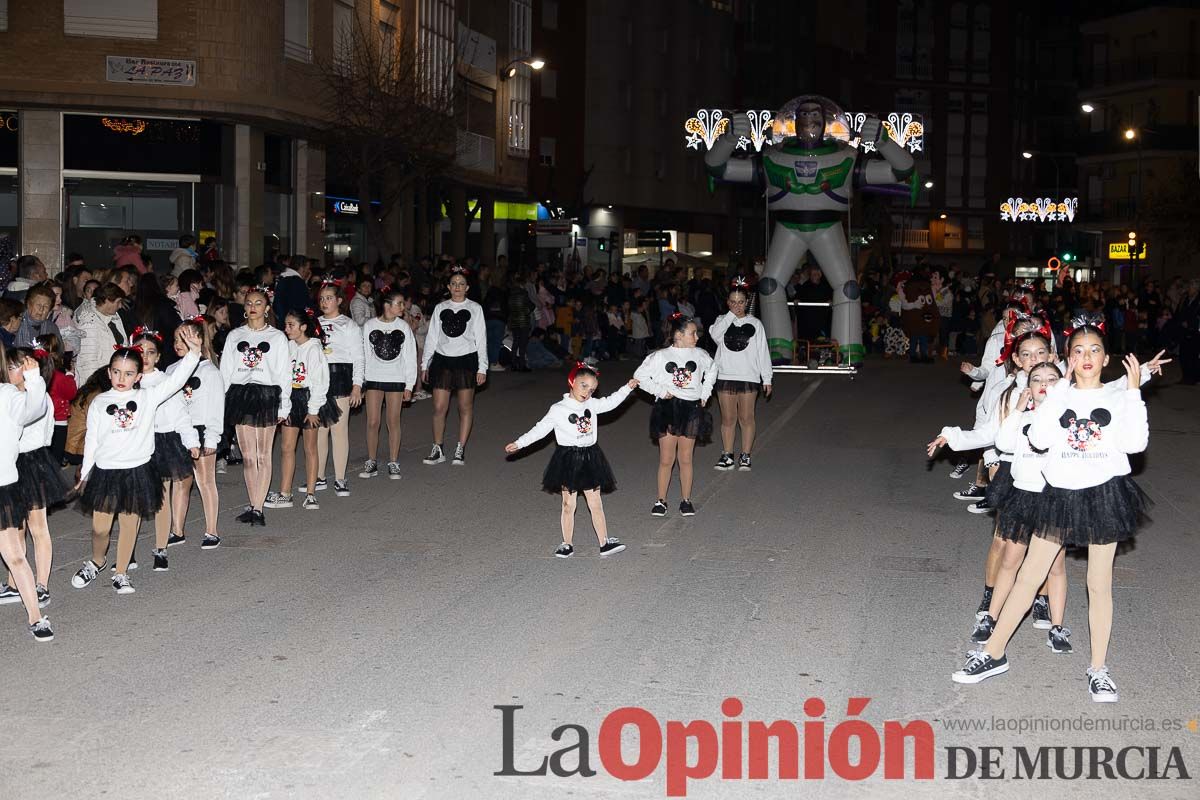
(808, 120)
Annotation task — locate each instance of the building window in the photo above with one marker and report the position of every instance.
(435, 43)
(546, 147)
(550, 14)
(295, 31)
(343, 33)
(3, 15)
(975, 240)
(549, 79)
(111, 19)
(520, 45)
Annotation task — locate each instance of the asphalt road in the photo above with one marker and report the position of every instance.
(359, 651)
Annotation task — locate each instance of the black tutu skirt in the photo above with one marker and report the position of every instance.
(136, 490)
(171, 459)
(1020, 516)
(328, 415)
(13, 508)
(1001, 486)
(1110, 512)
(341, 380)
(384, 386)
(40, 479)
(676, 417)
(453, 372)
(253, 404)
(737, 387)
(578, 469)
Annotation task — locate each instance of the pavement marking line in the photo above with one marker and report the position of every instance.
(712, 488)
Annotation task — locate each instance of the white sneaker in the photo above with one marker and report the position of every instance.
(311, 504)
(496, 368)
(277, 500)
(460, 455)
(436, 456)
(1101, 686)
(121, 583)
(221, 466)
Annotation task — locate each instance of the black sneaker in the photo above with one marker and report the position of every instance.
(460, 455)
(660, 509)
(744, 462)
(258, 518)
(686, 508)
(725, 462)
(980, 666)
(160, 561)
(985, 603)
(341, 489)
(175, 539)
(983, 629)
(43, 596)
(41, 630)
(210, 542)
(1101, 686)
(1041, 612)
(436, 456)
(1059, 639)
(9, 594)
(87, 573)
(610, 546)
(982, 507)
(132, 565)
(564, 550)
(247, 516)
(121, 583)
(370, 468)
(959, 470)
(972, 492)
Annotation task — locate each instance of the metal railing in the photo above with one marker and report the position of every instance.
(476, 152)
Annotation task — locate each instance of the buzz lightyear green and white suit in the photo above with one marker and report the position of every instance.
(809, 180)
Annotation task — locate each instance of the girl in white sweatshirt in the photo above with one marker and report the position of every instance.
(743, 370)
(175, 441)
(312, 407)
(390, 356)
(680, 377)
(455, 361)
(344, 352)
(17, 409)
(1088, 430)
(118, 477)
(257, 371)
(204, 396)
(578, 463)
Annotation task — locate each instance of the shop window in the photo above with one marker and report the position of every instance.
(103, 143)
(546, 147)
(111, 19)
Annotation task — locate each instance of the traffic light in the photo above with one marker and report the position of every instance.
(1067, 258)
(602, 244)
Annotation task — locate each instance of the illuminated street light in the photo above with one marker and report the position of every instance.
(928, 184)
(1026, 154)
(1130, 134)
(1087, 108)
(943, 216)
(510, 69)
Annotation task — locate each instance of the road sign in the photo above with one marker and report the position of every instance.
(554, 226)
(553, 241)
(581, 241)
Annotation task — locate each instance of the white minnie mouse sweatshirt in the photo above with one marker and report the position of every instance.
(391, 352)
(17, 410)
(684, 372)
(38, 433)
(345, 345)
(742, 351)
(172, 414)
(1027, 462)
(259, 357)
(574, 423)
(1089, 433)
(120, 425)
(204, 395)
(310, 371)
(456, 329)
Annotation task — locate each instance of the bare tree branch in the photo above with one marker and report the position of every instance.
(394, 113)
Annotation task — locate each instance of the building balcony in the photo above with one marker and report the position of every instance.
(1157, 67)
(917, 239)
(476, 152)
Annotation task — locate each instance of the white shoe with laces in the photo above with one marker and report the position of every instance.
(1101, 686)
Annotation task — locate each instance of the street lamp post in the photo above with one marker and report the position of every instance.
(510, 69)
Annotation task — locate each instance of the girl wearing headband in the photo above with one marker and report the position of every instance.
(743, 370)
(578, 464)
(680, 377)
